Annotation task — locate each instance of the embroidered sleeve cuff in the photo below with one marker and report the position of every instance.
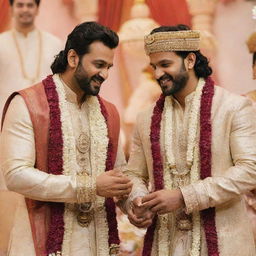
(196, 196)
(86, 188)
(190, 199)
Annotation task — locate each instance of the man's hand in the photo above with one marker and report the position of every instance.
(113, 183)
(164, 201)
(139, 215)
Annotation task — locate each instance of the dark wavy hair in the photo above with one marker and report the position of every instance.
(80, 39)
(202, 68)
(36, 1)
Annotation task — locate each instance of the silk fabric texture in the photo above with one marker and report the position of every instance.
(233, 172)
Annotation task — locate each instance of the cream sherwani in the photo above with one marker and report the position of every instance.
(233, 172)
(250, 197)
(18, 158)
(12, 79)
(11, 76)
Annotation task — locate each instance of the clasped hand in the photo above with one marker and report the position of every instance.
(113, 184)
(143, 209)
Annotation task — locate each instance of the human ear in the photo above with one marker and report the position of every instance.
(73, 58)
(190, 60)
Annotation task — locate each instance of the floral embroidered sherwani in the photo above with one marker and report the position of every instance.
(17, 163)
(233, 173)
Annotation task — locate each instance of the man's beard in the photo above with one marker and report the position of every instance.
(178, 82)
(85, 82)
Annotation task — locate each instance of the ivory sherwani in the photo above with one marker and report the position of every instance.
(250, 197)
(18, 160)
(233, 173)
(34, 54)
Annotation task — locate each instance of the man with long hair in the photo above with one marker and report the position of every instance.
(59, 146)
(193, 156)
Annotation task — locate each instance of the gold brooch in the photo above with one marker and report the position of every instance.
(85, 214)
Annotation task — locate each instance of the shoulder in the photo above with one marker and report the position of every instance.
(52, 39)
(144, 117)
(226, 100)
(110, 107)
(17, 110)
(106, 102)
(36, 88)
(251, 95)
(5, 35)
(18, 102)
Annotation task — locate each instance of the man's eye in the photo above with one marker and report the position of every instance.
(98, 65)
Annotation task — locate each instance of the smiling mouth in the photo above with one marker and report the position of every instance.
(165, 82)
(25, 15)
(96, 83)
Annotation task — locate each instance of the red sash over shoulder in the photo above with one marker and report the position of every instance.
(37, 104)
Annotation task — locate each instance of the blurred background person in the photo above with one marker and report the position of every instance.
(26, 52)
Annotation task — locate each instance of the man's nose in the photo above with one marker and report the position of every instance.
(25, 8)
(104, 73)
(158, 73)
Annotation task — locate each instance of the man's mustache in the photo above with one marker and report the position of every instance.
(98, 78)
(163, 77)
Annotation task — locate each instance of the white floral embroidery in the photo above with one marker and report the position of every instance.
(69, 158)
(99, 147)
(196, 234)
(192, 160)
(99, 144)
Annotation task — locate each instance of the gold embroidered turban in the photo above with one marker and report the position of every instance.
(185, 40)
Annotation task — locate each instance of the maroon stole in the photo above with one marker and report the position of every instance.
(39, 212)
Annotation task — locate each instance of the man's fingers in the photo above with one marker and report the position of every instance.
(121, 192)
(124, 186)
(146, 224)
(149, 215)
(150, 204)
(162, 212)
(148, 197)
(135, 217)
(137, 201)
(157, 208)
(118, 174)
(134, 223)
(141, 224)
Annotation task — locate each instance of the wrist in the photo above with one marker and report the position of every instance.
(86, 188)
(181, 199)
